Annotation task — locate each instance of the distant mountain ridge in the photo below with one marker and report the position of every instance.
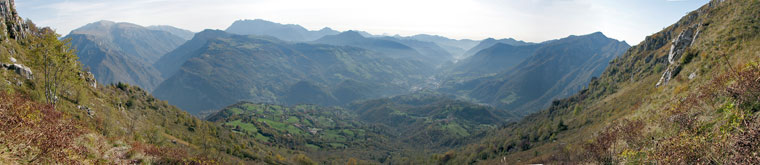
(122, 52)
(555, 70)
(668, 100)
(490, 42)
(426, 52)
(216, 69)
(182, 33)
(498, 58)
(171, 62)
(455, 47)
(287, 32)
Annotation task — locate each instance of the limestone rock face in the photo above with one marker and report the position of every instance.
(89, 78)
(20, 69)
(683, 41)
(16, 28)
(679, 45)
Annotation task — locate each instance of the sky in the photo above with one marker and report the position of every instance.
(529, 20)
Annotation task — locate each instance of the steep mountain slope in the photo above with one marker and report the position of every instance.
(289, 32)
(54, 113)
(142, 43)
(171, 62)
(706, 113)
(487, 43)
(122, 52)
(182, 33)
(230, 68)
(555, 70)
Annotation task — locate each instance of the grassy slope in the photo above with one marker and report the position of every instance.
(126, 123)
(624, 118)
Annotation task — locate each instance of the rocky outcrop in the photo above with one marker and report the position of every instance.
(89, 111)
(689, 34)
(89, 78)
(15, 27)
(20, 69)
(677, 48)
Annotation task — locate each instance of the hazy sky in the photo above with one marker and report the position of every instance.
(530, 20)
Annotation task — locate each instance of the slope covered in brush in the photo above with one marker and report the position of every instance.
(688, 94)
(53, 112)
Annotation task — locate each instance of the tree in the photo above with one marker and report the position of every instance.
(58, 62)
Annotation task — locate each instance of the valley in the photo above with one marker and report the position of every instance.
(262, 92)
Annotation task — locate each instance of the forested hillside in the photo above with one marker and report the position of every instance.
(221, 69)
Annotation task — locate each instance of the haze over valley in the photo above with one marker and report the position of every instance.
(539, 82)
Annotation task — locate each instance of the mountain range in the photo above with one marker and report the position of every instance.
(270, 93)
(639, 112)
(214, 68)
(287, 32)
(220, 69)
(122, 52)
(555, 70)
(489, 42)
(453, 46)
(182, 33)
(426, 52)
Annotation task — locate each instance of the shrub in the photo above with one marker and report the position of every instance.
(37, 132)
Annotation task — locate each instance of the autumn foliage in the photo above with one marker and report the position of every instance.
(36, 133)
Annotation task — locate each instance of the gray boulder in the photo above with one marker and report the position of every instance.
(20, 69)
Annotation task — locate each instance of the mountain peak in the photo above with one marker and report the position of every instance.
(102, 26)
(103, 23)
(286, 32)
(352, 34)
(257, 20)
(210, 33)
(594, 34)
(598, 34)
(326, 29)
